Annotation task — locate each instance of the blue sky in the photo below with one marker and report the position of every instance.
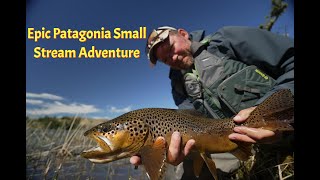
(106, 88)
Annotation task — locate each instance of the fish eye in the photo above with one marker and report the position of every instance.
(105, 129)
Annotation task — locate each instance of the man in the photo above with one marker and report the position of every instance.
(225, 74)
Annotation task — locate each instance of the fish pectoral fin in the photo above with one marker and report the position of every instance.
(243, 152)
(153, 158)
(197, 164)
(211, 165)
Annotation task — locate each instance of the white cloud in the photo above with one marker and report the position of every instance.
(44, 96)
(113, 109)
(50, 104)
(34, 102)
(58, 107)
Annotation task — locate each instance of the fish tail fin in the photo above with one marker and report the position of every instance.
(274, 113)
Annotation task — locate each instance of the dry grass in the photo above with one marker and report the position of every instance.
(270, 162)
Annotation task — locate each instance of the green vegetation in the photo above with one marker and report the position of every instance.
(278, 7)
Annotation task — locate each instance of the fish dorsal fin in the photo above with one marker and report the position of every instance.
(243, 152)
(197, 164)
(153, 158)
(191, 112)
(279, 107)
(210, 164)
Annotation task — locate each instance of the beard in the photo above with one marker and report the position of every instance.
(184, 63)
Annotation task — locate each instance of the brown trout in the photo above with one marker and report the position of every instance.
(137, 132)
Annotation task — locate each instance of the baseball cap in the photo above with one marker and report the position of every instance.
(156, 36)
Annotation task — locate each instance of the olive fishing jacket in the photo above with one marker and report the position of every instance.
(271, 53)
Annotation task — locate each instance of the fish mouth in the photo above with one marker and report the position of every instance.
(104, 152)
(99, 152)
(96, 155)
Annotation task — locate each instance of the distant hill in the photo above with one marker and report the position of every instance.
(64, 122)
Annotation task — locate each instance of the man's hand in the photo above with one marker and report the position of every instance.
(251, 135)
(175, 154)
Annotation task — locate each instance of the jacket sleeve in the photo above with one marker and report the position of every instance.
(177, 89)
(272, 53)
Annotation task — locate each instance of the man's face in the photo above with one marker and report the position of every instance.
(175, 51)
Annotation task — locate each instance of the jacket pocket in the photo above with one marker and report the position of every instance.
(244, 88)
